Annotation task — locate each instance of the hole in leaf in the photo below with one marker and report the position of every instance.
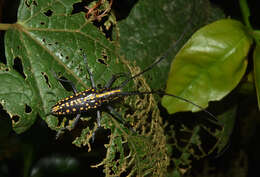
(102, 61)
(117, 155)
(139, 84)
(44, 40)
(67, 57)
(7, 69)
(42, 23)
(28, 3)
(99, 86)
(46, 79)
(35, 3)
(102, 27)
(79, 7)
(56, 43)
(123, 8)
(27, 109)
(48, 13)
(104, 55)
(15, 118)
(149, 77)
(18, 66)
(79, 68)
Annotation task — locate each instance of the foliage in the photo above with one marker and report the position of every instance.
(51, 37)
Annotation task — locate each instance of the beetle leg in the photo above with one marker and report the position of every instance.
(114, 78)
(67, 81)
(98, 123)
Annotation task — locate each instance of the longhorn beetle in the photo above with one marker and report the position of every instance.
(93, 98)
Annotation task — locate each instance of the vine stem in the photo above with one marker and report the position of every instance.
(5, 26)
(245, 12)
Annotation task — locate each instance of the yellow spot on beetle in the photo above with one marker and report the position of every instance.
(67, 110)
(74, 109)
(66, 98)
(81, 108)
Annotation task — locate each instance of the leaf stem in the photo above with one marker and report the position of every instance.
(256, 34)
(245, 12)
(5, 26)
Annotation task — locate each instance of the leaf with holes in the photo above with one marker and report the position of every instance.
(49, 37)
(17, 97)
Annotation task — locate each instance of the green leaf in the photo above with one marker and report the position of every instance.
(48, 38)
(256, 58)
(209, 66)
(15, 96)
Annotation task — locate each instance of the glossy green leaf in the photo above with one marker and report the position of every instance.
(257, 72)
(209, 65)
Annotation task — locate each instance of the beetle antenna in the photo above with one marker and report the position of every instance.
(213, 118)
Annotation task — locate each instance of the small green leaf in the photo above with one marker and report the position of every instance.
(15, 96)
(257, 72)
(209, 66)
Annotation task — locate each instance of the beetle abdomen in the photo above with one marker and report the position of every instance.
(83, 101)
